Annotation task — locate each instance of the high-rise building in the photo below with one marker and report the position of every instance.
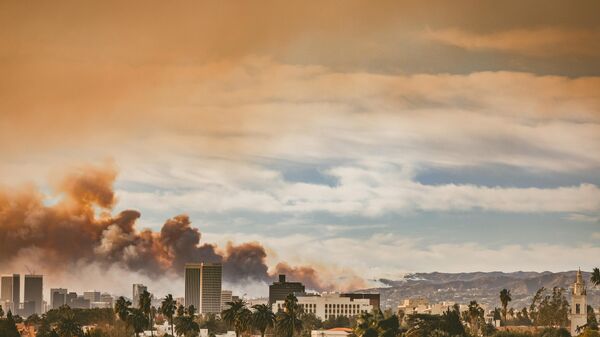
(280, 290)
(138, 289)
(16, 293)
(203, 286)
(92, 296)
(33, 295)
(226, 297)
(578, 305)
(6, 292)
(58, 297)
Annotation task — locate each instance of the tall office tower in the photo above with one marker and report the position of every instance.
(6, 291)
(33, 295)
(58, 297)
(226, 297)
(138, 289)
(203, 286)
(16, 293)
(280, 290)
(92, 296)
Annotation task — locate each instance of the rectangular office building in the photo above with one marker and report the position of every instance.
(33, 295)
(203, 287)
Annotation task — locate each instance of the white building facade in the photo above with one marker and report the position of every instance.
(329, 305)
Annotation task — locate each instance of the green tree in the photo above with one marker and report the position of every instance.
(237, 315)
(122, 308)
(68, 325)
(288, 321)
(595, 279)
(592, 322)
(180, 310)
(8, 326)
(191, 310)
(590, 333)
(1, 312)
(145, 304)
(138, 320)
(549, 308)
(474, 315)
(168, 307)
(262, 318)
(504, 299)
(186, 326)
(310, 322)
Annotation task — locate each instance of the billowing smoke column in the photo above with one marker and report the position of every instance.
(82, 228)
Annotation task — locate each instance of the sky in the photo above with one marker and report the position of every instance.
(365, 139)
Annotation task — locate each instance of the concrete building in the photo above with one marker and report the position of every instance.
(278, 291)
(58, 297)
(329, 305)
(138, 289)
(33, 295)
(226, 297)
(80, 302)
(92, 296)
(6, 293)
(578, 314)
(107, 298)
(203, 286)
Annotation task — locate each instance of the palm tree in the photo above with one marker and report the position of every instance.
(595, 279)
(191, 310)
(475, 315)
(122, 308)
(186, 326)
(145, 303)
(138, 320)
(505, 298)
(168, 307)
(68, 326)
(152, 316)
(262, 318)
(237, 315)
(288, 321)
(365, 324)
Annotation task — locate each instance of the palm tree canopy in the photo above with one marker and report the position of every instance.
(262, 317)
(595, 279)
(138, 320)
(122, 308)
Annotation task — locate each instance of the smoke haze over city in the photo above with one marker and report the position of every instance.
(338, 142)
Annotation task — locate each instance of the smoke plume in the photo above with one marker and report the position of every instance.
(81, 227)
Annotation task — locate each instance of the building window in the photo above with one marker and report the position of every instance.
(577, 308)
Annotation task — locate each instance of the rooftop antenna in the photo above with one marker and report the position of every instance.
(31, 272)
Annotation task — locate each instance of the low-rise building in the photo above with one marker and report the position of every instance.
(327, 305)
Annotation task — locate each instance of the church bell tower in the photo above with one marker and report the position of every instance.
(578, 305)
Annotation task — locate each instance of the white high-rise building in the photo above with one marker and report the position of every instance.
(329, 305)
(578, 305)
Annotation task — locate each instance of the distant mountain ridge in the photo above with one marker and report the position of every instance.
(481, 286)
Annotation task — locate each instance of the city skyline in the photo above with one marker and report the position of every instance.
(337, 144)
